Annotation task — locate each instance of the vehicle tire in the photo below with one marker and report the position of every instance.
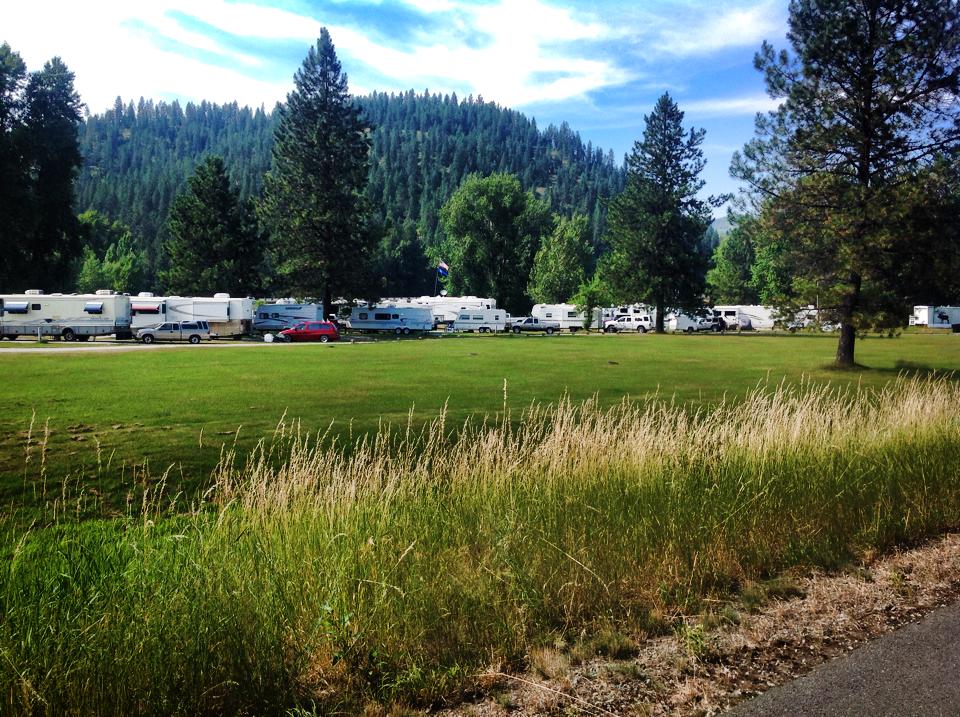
(516, 330)
(68, 335)
(398, 331)
(324, 339)
(148, 339)
(406, 332)
(689, 330)
(641, 330)
(194, 339)
(549, 331)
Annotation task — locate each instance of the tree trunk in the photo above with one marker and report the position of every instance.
(659, 321)
(848, 334)
(327, 303)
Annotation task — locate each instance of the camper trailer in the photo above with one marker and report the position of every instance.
(396, 319)
(66, 316)
(566, 315)
(483, 321)
(745, 317)
(935, 317)
(225, 315)
(446, 309)
(285, 314)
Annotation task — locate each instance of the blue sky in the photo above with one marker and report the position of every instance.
(598, 65)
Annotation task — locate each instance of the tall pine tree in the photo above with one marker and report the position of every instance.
(656, 226)
(313, 195)
(214, 244)
(869, 102)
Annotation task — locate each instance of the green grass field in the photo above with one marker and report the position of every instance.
(175, 408)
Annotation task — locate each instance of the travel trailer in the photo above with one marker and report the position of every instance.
(935, 317)
(397, 319)
(285, 314)
(445, 309)
(226, 316)
(745, 317)
(566, 315)
(483, 321)
(71, 317)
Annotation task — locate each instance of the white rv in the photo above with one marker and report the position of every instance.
(745, 317)
(285, 314)
(397, 319)
(935, 317)
(226, 316)
(445, 309)
(66, 316)
(566, 315)
(483, 321)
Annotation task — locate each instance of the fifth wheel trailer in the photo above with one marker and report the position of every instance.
(226, 315)
(66, 316)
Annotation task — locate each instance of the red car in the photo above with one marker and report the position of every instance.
(322, 331)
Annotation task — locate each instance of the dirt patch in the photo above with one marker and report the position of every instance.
(703, 670)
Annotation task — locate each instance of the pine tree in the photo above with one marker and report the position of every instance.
(657, 224)
(214, 244)
(313, 195)
(869, 100)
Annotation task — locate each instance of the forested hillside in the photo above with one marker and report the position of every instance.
(137, 158)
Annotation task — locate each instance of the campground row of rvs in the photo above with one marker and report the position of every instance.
(81, 316)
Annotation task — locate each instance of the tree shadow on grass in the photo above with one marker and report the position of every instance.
(910, 369)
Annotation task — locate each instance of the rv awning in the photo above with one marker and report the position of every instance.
(93, 307)
(16, 307)
(146, 308)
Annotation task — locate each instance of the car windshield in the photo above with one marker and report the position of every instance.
(299, 327)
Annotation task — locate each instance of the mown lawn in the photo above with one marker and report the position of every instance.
(176, 408)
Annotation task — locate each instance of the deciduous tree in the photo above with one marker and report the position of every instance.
(562, 263)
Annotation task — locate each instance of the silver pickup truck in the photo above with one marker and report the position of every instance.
(531, 323)
(192, 331)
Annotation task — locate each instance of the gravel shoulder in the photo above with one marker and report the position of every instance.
(825, 616)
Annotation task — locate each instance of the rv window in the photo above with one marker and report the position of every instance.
(16, 307)
(274, 316)
(93, 307)
(381, 317)
(264, 315)
(464, 317)
(478, 318)
(363, 316)
(729, 313)
(549, 315)
(571, 314)
(396, 316)
(35, 307)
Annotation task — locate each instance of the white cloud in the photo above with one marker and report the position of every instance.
(726, 106)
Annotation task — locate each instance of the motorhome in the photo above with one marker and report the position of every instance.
(566, 315)
(483, 321)
(226, 315)
(397, 319)
(285, 314)
(66, 316)
(935, 317)
(745, 317)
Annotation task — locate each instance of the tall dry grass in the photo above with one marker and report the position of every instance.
(404, 565)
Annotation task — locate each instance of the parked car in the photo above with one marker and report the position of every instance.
(532, 323)
(192, 331)
(322, 331)
(641, 323)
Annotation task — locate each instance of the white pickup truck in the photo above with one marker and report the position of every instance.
(641, 323)
(532, 323)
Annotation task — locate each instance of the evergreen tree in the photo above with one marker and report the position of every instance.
(313, 195)
(657, 224)
(493, 230)
(214, 244)
(730, 281)
(14, 179)
(112, 257)
(869, 99)
(562, 263)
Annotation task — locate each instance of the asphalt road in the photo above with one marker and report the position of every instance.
(914, 671)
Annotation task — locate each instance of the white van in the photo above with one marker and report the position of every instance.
(483, 321)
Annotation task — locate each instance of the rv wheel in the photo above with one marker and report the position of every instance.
(194, 339)
(516, 330)
(68, 335)
(406, 332)
(398, 331)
